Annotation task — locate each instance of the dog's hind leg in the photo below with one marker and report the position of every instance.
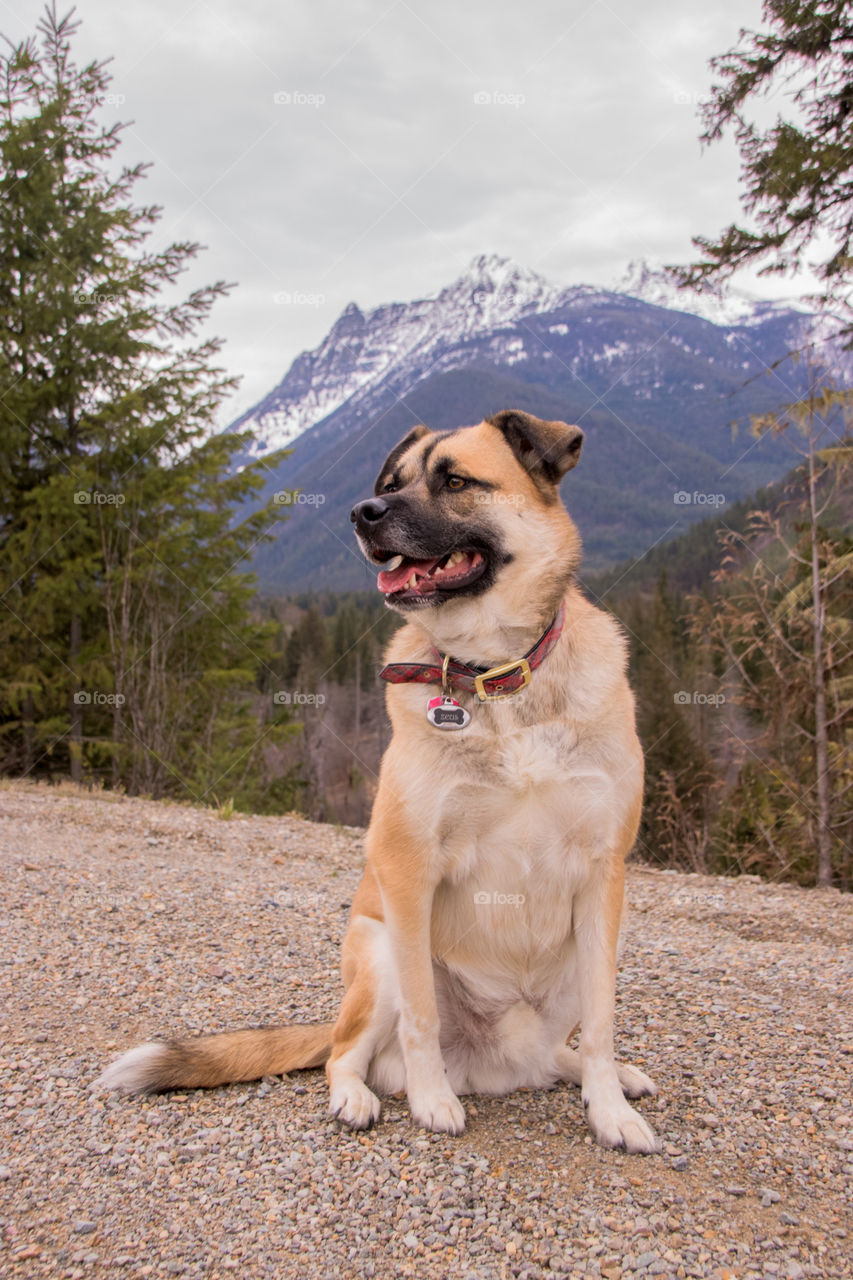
(635, 1083)
(365, 1022)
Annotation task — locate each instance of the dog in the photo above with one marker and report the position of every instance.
(485, 929)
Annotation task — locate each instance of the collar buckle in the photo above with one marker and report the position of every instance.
(521, 665)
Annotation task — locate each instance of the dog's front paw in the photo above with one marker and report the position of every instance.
(438, 1110)
(354, 1104)
(615, 1124)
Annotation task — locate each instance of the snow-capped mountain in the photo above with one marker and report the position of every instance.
(362, 349)
(650, 282)
(655, 376)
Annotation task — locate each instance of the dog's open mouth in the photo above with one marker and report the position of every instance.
(406, 579)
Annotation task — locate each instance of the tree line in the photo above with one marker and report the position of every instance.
(744, 685)
(134, 649)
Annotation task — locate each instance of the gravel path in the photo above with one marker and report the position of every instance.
(128, 918)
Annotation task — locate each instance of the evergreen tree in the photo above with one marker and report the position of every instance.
(665, 675)
(798, 191)
(124, 638)
(796, 175)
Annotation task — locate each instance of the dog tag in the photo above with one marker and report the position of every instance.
(446, 713)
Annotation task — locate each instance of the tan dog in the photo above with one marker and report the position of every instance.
(486, 925)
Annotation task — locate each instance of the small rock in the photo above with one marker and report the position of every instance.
(84, 1228)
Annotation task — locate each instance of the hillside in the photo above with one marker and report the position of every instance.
(688, 559)
(127, 918)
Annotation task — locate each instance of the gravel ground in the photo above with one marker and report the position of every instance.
(128, 918)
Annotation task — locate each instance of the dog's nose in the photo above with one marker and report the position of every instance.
(369, 512)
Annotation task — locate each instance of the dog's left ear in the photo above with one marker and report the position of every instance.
(547, 450)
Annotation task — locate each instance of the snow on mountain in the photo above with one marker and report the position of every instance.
(650, 283)
(483, 310)
(362, 348)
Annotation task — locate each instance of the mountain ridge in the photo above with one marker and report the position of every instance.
(493, 293)
(656, 390)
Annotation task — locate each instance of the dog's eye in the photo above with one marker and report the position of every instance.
(456, 482)
(390, 487)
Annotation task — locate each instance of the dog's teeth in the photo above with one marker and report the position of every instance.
(456, 557)
(412, 583)
(393, 563)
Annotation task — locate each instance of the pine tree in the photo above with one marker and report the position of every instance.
(124, 637)
(670, 725)
(798, 192)
(796, 176)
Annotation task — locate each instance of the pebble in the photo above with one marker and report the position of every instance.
(110, 939)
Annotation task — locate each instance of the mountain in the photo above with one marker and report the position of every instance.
(655, 377)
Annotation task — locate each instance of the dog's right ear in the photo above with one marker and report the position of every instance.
(389, 466)
(547, 450)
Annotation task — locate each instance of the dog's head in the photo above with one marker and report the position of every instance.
(456, 514)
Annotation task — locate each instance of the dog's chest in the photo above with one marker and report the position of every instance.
(520, 811)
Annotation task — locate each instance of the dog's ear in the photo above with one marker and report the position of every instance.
(389, 466)
(547, 450)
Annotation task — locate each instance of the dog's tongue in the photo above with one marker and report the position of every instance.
(395, 579)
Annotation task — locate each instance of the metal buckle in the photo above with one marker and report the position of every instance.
(521, 665)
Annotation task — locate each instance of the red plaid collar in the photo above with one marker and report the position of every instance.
(487, 682)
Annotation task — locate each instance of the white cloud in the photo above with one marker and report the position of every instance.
(382, 177)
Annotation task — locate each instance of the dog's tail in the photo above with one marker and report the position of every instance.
(204, 1061)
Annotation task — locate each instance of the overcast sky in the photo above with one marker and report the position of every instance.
(367, 150)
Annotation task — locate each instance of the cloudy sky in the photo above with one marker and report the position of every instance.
(368, 150)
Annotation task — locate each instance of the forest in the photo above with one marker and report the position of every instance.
(135, 650)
